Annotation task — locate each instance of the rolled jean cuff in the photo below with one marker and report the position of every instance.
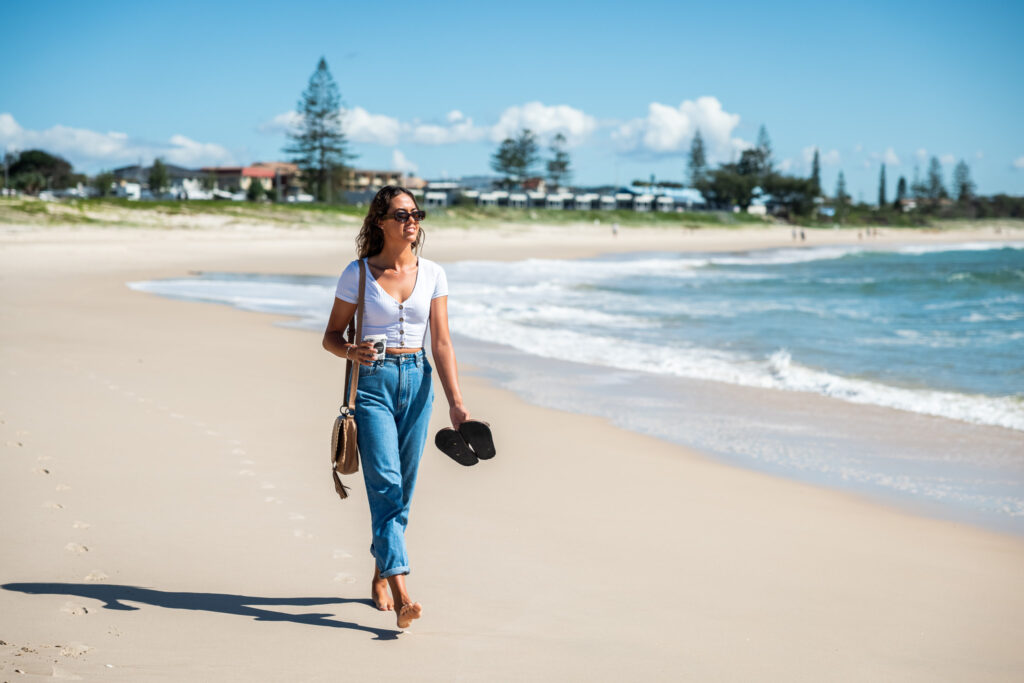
(394, 571)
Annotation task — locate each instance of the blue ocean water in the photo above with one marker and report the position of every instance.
(898, 373)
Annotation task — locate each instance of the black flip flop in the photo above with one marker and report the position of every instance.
(478, 437)
(452, 444)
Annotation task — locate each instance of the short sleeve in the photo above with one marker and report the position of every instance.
(348, 284)
(440, 282)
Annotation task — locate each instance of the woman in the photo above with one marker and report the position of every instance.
(403, 294)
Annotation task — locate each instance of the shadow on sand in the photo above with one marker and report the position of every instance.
(225, 603)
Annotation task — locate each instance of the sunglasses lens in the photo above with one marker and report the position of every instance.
(419, 214)
(401, 215)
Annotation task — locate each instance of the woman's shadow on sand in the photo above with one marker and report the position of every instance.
(225, 603)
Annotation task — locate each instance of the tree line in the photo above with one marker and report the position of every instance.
(318, 146)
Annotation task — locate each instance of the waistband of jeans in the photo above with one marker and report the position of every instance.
(416, 357)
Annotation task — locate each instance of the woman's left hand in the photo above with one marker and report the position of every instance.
(458, 415)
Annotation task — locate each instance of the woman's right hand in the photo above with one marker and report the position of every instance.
(362, 353)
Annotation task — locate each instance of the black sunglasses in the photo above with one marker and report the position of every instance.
(403, 216)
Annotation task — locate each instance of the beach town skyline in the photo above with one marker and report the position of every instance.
(888, 85)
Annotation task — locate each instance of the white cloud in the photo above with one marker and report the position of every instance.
(461, 129)
(922, 154)
(362, 126)
(83, 147)
(785, 165)
(546, 121)
(281, 124)
(888, 157)
(668, 130)
(829, 158)
(186, 152)
(947, 159)
(1018, 162)
(401, 163)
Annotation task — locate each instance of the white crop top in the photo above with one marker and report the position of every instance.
(405, 323)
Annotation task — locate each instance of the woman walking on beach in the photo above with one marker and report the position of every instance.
(404, 293)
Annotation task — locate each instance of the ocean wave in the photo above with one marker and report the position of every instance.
(776, 372)
(920, 249)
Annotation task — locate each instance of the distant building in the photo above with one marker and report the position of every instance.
(358, 179)
(236, 179)
(132, 182)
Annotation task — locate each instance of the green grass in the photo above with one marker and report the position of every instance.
(116, 212)
(472, 216)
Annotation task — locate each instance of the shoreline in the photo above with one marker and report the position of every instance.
(773, 578)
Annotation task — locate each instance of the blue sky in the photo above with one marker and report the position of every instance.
(434, 86)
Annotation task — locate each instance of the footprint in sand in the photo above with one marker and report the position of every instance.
(74, 609)
(94, 576)
(76, 548)
(41, 470)
(299, 533)
(53, 506)
(342, 577)
(15, 444)
(78, 524)
(340, 554)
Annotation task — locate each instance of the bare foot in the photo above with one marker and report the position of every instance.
(379, 593)
(409, 611)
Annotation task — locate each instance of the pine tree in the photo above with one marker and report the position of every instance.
(503, 161)
(516, 157)
(318, 145)
(963, 186)
(158, 178)
(881, 188)
(918, 190)
(935, 188)
(698, 163)
(764, 152)
(841, 195)
(527, 154)
(901, 192)
(816, 174)
(558, 164)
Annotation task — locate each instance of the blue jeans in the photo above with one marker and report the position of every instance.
(392, 412)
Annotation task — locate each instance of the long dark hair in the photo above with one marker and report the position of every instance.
(370, 240)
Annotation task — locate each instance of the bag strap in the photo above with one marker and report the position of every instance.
(357, 324)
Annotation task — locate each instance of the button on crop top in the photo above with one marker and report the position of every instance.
(405, 322)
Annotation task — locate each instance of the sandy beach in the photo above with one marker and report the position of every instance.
(170, 516)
